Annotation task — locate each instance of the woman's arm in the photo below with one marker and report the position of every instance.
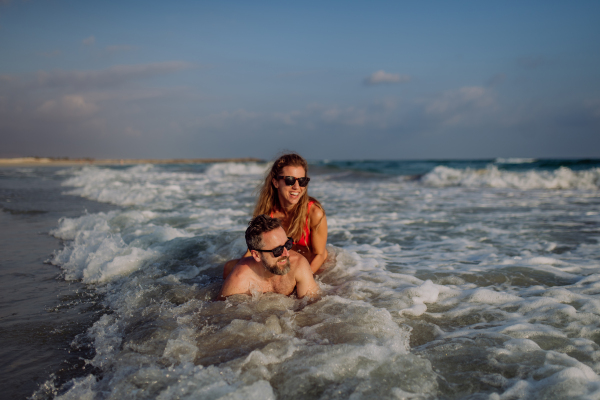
(318, 237)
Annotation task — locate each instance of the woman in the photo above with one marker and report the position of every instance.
(284, 195)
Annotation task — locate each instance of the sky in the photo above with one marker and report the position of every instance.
(330, 80)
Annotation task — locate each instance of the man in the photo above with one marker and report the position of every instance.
(272, 265)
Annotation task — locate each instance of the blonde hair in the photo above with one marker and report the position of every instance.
(268, 198)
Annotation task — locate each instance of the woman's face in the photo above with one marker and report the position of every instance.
(290, 195)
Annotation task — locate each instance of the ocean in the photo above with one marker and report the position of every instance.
(447, 279)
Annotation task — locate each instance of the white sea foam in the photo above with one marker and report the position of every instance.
(562, 178)
(444, 288)
(148, 185)
(237, 169)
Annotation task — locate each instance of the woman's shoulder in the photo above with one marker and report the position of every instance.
(315, 211)
(312, 202)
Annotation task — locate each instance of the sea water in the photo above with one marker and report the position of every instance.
(446, 279)
(40, 312)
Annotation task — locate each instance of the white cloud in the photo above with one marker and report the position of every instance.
(107, 77)
(466, 106)
(377, 115)
(129, 131)
(98, 79)
(69, 106)
(453, 100)
(89, 41)
(382, 77)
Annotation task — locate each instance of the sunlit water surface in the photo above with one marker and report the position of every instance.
(474, 280)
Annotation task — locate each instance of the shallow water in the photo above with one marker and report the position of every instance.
(447, 280)
(40, 313)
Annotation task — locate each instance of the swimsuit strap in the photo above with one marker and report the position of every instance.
(305, 239)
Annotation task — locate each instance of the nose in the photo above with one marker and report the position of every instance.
(296, 185)
(286, 252)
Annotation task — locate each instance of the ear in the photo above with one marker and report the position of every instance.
(256, 255)
(275, 183)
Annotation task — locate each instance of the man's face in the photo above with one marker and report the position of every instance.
(275, 265)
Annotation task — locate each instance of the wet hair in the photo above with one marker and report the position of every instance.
(268, 198)
(256, 227)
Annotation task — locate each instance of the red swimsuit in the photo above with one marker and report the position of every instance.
(305, 239)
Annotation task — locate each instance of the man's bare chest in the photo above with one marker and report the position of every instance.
(283, 285)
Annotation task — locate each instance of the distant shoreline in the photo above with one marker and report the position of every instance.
(65, 161)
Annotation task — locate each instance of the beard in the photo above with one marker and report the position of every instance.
(274, 269)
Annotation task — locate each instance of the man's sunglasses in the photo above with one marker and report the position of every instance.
(291, 180)
(277, 251)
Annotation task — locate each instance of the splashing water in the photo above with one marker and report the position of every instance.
(460, 283)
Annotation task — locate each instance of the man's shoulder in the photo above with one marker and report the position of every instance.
(295, 257)
(298, 261)
(243, 268)
(238, 280)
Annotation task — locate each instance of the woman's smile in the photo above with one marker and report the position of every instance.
(291, 194)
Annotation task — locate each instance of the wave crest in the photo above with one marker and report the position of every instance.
(237, 169)
(561, 178)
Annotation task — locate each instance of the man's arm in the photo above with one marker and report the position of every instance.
(305, 282)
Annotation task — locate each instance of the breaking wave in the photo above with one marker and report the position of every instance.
(561, 178)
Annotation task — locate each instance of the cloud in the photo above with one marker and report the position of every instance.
(100, 79)
(88, 113)
(382, 77)
(466, 105)
(88, 80)
(89, 41)
(67, 107)
(314, 117)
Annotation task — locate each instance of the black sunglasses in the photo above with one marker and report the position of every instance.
(277, 251)
(291, 180)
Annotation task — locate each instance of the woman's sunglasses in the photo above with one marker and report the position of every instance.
(277, 251)
(291, 180)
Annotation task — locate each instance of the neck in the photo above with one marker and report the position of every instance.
(286, 208)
